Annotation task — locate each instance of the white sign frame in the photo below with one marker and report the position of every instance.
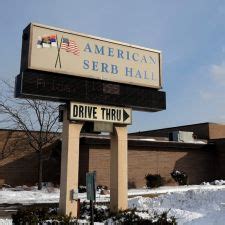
(101, 113)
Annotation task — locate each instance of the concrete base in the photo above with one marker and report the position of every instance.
(69, 166)
(118, 169)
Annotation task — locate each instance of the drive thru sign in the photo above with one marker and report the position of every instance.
(91, 112)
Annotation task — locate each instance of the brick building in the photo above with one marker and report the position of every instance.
(203, 159)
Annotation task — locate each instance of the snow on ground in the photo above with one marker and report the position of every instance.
(5, 222)
(193, 204)
(203, 206)
(51, 195)
(13, 196)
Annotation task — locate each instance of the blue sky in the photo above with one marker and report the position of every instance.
(190, 34)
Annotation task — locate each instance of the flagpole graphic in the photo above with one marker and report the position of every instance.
(58, 54)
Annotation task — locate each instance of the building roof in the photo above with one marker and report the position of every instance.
(205, 130)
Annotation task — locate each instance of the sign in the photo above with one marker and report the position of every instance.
(75, 194)
(91, 186)
(90, 112)
(62, 51)
(103, 127)
(63, 88)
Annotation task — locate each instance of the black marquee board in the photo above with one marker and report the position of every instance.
(65, 88)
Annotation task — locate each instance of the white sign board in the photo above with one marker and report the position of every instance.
(66, 52)
(91, 112)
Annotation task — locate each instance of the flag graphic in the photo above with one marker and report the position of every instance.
(73, 48)
(64, 43)
(53, 40)
(39, 42)
(47, 41)
(70, 46)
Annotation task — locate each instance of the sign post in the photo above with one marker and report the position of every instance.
(68, 203)
(91, 191)
(118, 169)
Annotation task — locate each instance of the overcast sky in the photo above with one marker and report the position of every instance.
(190, 34)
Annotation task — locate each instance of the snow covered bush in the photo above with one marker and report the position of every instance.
(153, 180)
(215, 182)
(101, 214)
(39, 215)
(180, 177)
(135, 217)
(82, 189)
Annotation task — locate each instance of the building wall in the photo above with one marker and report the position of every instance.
(18, 161)
(99, 161)
(163, 162)
(15, 161)
(18, 165)
(220, 158)
(197, 163)
(216, 131)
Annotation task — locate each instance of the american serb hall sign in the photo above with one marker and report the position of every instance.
(58, 64)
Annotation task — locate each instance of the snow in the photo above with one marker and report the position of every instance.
(51, 195)
(201, 206)
(5, 222)
(215, 182)
(146, 139)
(13, 196)
(192, 204)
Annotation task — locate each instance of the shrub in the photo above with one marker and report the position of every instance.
(100, 214)
(154, 180)
(39, 215)
(180, 177)
(102, 187)
(128, 217)
(34, 216)
(131, 184)
(82, 189)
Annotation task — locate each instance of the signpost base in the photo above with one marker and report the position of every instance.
(69, 167)
(118, 169)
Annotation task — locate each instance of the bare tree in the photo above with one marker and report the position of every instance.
(30, 115)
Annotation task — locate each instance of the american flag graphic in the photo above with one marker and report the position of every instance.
(70, 46)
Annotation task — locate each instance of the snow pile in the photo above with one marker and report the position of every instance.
(202, 207)
(218, 182)
(19, 195)
(215, 182)
(80, 222)
(192, 204)
(146, 139)
(170, 189)
(30, 195)
(5, 222)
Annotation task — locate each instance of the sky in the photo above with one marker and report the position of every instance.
(190, 34)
